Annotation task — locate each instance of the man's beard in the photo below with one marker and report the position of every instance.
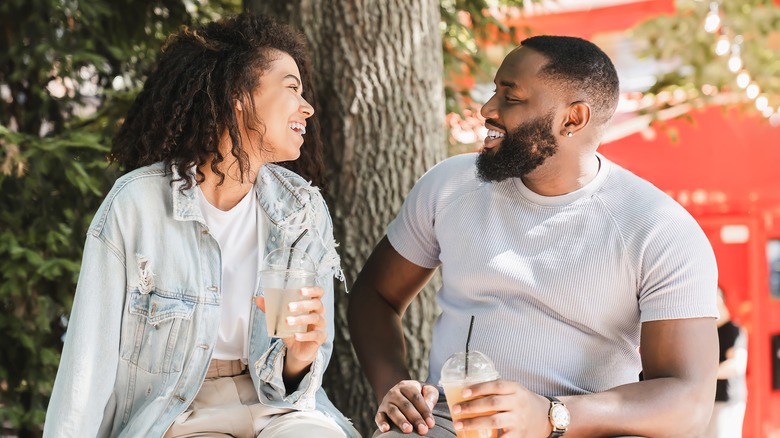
(521, 151)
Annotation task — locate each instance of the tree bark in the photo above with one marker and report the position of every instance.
(378, 72)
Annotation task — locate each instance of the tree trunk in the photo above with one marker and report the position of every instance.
(378, 73)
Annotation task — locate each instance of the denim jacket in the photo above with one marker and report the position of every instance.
(146, 311)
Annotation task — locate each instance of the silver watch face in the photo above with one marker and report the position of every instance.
(559, 416)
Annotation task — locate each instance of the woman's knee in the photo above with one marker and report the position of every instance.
(300, 424)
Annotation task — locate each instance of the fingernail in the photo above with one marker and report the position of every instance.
(456, 409)
(385, 427)
(293, 307)
(305, 291)
(458, 425)
(466, 393)
(290, 320)
(406, 426)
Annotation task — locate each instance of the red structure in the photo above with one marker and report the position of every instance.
(724, 168)
(617, 16)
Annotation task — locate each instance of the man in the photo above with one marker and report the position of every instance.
(568, 262)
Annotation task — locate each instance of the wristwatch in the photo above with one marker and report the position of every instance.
(559, 417)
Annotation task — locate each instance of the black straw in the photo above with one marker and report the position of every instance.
(292, 246)
(289, 258)
(468, 342)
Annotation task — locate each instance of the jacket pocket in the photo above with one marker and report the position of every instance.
(156, 332)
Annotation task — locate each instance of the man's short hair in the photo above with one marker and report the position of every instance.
(580, 67)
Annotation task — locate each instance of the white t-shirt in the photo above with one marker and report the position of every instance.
(236, 230)
(559, 286)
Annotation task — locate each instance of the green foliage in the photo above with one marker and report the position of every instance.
(467, 27)
(699, 72)
(45, 216)
(68, 71)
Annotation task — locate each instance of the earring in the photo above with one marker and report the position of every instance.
(569, 134)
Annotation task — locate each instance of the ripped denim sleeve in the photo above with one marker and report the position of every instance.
(316, 212)
(269, 369)
(331, 266)
(146, 276)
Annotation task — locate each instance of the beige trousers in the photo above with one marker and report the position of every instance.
(229, 407)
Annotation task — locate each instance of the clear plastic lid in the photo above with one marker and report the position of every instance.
(291, 259)
(480, 368)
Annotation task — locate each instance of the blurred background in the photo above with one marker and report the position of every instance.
(399, 86)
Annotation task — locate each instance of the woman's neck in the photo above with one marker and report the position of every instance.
(233, 188)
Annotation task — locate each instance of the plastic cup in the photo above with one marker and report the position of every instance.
(285, 271)
(454, 379)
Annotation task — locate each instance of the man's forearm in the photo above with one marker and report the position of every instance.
(663, 407)
(377, 335)
(385, 287)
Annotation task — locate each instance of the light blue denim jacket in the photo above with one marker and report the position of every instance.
(147, 307)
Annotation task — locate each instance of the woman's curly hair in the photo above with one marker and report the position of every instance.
(187, 102)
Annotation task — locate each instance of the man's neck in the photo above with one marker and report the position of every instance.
(561, 176)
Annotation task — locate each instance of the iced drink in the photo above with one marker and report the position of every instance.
(285, 272)
(454, 379)
(277, 310)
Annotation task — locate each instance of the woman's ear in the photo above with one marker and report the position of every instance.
(577, 117)
(238, 105)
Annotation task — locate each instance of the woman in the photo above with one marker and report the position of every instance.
(164, 339)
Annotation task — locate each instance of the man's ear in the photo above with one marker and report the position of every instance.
(577, 117)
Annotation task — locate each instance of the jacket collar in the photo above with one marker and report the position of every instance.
(280, 192)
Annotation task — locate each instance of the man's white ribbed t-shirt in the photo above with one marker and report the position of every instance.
(558, 285)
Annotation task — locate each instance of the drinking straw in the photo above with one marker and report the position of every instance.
(292, 246)
(468, 341)
(289, 258)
